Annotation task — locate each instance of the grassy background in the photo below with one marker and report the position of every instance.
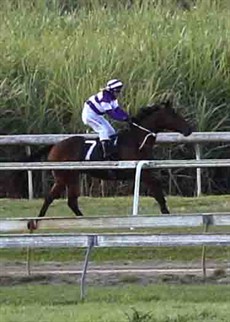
(54, 54)
(158, 303)
(114, 206)
(52, 60)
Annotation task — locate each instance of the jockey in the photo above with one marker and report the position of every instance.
(104, 103)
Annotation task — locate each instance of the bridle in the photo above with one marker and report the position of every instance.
(150, 133)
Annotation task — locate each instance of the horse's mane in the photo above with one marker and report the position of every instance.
(146, 111)
(141, 114)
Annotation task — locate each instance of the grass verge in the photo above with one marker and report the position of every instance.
(162, 303)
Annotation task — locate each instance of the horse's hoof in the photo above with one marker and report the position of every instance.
(165, 212)
(32, 225)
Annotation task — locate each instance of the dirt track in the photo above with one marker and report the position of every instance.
(112, 273)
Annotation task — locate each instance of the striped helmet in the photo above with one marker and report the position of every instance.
(114, 85)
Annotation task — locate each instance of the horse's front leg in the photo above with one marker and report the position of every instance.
(155, 190)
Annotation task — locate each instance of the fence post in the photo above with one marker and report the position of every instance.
(28, 258)
(29, 176)
(91, 242)
(137, 186)
(207, 221)
(170, 174)
(198, 171)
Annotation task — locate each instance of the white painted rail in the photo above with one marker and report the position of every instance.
(138, 165)
(123, 222)
(93, 165)
(84, 165)
(196, 138)
(130, 239)
(49, 139)
(112, 240)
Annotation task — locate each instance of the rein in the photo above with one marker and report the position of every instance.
(150, 133)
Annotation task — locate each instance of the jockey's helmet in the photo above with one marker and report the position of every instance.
(114, 85)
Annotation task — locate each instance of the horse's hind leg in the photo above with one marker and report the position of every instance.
(155, 190)
(73, 199)
(54, 193)
(73, 194)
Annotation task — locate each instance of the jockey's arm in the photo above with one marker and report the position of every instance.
(118, 114)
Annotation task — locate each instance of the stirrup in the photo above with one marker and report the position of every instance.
(106, 148)
(108, 157)
(112, 174)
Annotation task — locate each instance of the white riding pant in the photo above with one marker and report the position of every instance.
(98, 123)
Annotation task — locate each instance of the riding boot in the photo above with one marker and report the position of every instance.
(107, 156)
(106, 147)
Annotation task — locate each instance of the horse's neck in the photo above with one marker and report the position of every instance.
(143, 137)
(140, 137)
(149, 125)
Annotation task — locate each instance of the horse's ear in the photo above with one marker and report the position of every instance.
(168, 104)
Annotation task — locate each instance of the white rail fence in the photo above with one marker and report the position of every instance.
(49, 139)
(122, 222)
(8, 239)
(138, 165)
(196, 138)
(127, 239)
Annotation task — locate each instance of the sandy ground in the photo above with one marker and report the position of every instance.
(111, 273)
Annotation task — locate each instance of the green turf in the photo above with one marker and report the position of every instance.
(149, 303)
(116, 206)
(185, 254)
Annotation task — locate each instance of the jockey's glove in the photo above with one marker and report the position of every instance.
(129, 120)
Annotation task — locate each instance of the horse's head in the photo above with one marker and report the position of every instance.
(163, 116)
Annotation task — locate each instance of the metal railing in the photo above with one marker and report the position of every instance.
(115, 239)
(138, 165)
(196, 138)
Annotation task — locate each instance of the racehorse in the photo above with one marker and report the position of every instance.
(133, 143)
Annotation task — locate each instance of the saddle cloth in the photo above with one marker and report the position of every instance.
(93, 149)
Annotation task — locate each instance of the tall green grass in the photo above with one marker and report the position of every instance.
(52, 59)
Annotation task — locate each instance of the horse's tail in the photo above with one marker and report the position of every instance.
(16, 179)
(36, 156)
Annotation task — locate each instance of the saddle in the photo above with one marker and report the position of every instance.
(93, 149)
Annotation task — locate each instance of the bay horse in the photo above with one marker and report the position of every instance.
(133, 143)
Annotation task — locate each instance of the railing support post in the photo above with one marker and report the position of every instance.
(29, 177)
(137, 186)
(91, 243)
(207, 220)
(198, 171)
(28, 258)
